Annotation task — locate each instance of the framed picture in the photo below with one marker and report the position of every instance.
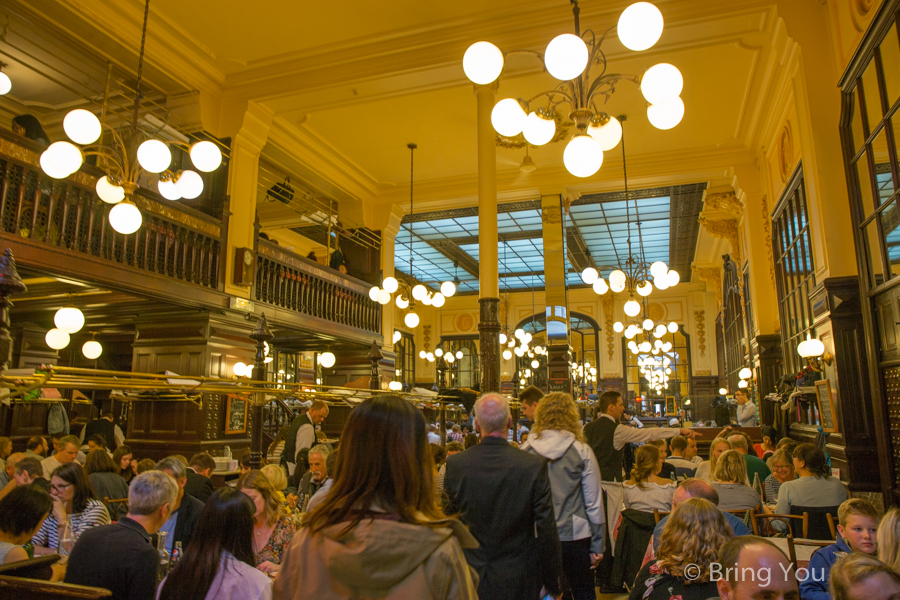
(671, 407)
(826, 406)
(236, 409)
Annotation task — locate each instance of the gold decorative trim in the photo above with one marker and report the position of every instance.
(610, 334)
(724, 201)
(767, 230)
(786, 152)
(711, 275)
(17, 152)
(700, 318)
(726, 229)
(700, 373)
(426, 337)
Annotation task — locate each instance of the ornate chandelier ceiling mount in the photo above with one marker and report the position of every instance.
(569, 58)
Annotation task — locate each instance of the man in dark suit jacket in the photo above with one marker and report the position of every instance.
(185, 510)
(199, 485)
(503, 495)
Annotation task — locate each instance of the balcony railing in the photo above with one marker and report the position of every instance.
(290, 281)
(174, 241)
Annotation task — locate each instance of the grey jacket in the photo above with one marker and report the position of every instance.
(575, 484)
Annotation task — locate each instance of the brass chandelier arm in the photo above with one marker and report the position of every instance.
(610, 79)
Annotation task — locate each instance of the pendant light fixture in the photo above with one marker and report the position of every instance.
(92, 349)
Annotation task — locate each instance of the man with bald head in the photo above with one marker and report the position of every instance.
(9, 469)
(503, 495)
(753, 568)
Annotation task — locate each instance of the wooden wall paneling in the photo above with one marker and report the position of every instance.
(771, 367)
(705, 388)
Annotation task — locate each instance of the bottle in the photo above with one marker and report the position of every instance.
(29, 549)
(163, 556)
(66, 540)
(176, 553)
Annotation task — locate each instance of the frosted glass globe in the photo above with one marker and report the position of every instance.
(632, 308)
(566, 56)
(589, 275)
(109, 193)
(742, 384)
(401, 302)
(666, 116)
(483, 63)
(647, 324)
(618, 327)
(745, 373)
(168, 189)
(644, 288)
(419, 292)
(658, 269)
(49, 167)
(535, 364)
(660, 330)
(189, 184)
(661, 283)
(582, 156)
(448, 288)
(390, 285)
(422, 354)
(617, 277)
(396, 337)
(617, 287)
(673, 327)
(82, 127)
(430, 356)
(502, 338)
(607, 136)
(125, 217)
(538, 130)
(426, 300)
(383, 297)
(672, 277)
(459, 354)
(411, 320)
(69, 319)
(92, 349)
(439, 352)
(373, 293)
(154, 156)
(449, 358)
(507, 355)
(57, 339)
(640, 26)
(206, 156)
(630, 333)
(326, 359)
(438, 300)
(600, 286)
(508, 117)
(645, 346)
(5, 84)
(519, 333)
(814, 347)
(661, 83)
(395, 386)
(63, 157)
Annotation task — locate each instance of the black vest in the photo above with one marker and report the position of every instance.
(105, 428)
(290, 441)
(599, 434)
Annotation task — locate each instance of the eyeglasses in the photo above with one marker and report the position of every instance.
(783, 467)
(59, 489)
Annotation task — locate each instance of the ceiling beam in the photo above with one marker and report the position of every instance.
(450, 249)
(579, 255)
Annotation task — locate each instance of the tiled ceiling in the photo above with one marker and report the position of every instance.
(445, 243)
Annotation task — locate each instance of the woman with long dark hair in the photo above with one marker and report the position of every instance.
(220, 561)
(73, 504)
(378, 531)
(125, 464)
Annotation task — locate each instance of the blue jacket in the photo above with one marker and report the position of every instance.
(815, 586)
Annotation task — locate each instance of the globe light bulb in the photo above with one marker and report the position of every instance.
(57, 339)
(427, 300)
(206, 156)
(590, 275)
(240, 370)
(69, 319)
(189, 184)
(660, 330)
(448, 288)
(483, 62)
(411, 319)
(61, 157)
(673, 278)
(430, 355)
(535, 364)
(5, 84)
(742, 384)
(92, 349)
(526, 339)
(632, 308)
(449, 358)
(617, 277)
(82, 127)
(168, 189)
(438, 300)
(618, 327)
(401, 302)
(502, 338)
(109, 193)
(647, 324)
(673, 327)
(661, 83)
(49, 167)
(422, 354)
(566, 57)
(661, 283)
(722, 391)
(645, 346)
(644, 288)
(617, 287)
(373, 293)
(538, 130)
(667, 115)
(459, 354)
(154, 156)
(640, 26)
(383, 297)
(607, 136)
(519, 334)
(395, 386)
(390, 285)
(507, 355)
(667, 346)
(745, 373)
(658, 269)
(508, 117)
(439, 352)
(814, 347)
(582, 156)
(326, 359)
(125, 217)
(600, 287)
(630, 333)
(419, 292)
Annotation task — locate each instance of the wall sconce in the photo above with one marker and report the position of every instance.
(746, 376)
(813, 351)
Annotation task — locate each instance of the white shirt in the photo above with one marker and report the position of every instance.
(117, 433)
(434, 438)
(626, 435)
(746, 414)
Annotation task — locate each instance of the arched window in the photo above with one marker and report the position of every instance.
(673, 364)
(584, 342)
(405, 367)
(465, 370)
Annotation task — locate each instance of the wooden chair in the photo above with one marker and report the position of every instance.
(831, 525)
(659, 515)
(819, 527)
(21, 588)
(792, 550)
(116, 507)
(755, 519)
(33, 568)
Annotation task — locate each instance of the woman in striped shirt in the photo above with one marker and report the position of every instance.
(73, 503)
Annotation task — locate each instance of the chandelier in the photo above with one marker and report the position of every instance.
(634, 272)
(656, 370)
(126, 160)
(407, 296)
(569, 58)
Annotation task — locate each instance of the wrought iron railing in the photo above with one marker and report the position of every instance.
(174, 241)
(290, 281)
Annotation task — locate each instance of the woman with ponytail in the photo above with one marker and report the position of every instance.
(646, 490)
(814, 486)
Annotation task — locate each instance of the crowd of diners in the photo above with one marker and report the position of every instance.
(394, 513)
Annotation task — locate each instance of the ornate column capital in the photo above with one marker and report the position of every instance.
(713, 275)
(726, 229)
(725, 202)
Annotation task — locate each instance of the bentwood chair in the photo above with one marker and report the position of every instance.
(819, 527)
(801, 521)
(658, 515)
(792, 550)
(116, 507)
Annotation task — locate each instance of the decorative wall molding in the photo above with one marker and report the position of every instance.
(700, 318)
(726, 229)
(767, 230)
(724, 201)
(608, 305)
(426, 337)
(702, 373)
(711, 275)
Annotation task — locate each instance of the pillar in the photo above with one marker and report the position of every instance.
(559, 379)
(243, 174)
(488, 263)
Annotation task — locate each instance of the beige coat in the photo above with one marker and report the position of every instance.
(379, 559)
